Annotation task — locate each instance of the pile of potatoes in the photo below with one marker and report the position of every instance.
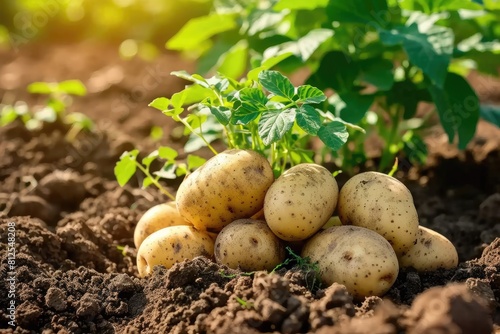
(232, 209)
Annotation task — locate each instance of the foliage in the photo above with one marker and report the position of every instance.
(59, 98)
(128, 164)
(386, 54)
(268, 115)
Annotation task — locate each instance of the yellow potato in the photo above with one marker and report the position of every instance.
(249, 245)
(300, 201)
(156, 218)
(356, 257)
(380, 203)
(431, 252)
(171, 245)
(229, 186)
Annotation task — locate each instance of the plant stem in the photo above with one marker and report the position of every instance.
(186, 124)
(387, 155)
(155, 181)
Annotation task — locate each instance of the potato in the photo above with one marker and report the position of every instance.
(300, 201)
(383, 204)
(356, 257)
(431, 252)
(156, 218)
(229, 186)
(171, 245)
(249, 245)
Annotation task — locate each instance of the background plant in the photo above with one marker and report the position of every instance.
(380, 55)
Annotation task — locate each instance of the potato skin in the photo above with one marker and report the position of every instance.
(249, 245)
(156, 218)
(300, 201)
(229, 186)
(431, 252)
(171, 245)
(356, 257)
(383, 204)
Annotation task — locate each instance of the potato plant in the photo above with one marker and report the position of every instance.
(265, 193)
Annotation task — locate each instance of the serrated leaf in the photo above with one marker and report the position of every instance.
(333, 134)
(458, 108)
(253, 103)
(310, 94)
(430, 50)
(223, 114)
(160, 103)
(277, 84)
(72, 87)
(274, 124)
(167, 153)
(126, 167)
(195, 161)
(308, 119)
(199, 29)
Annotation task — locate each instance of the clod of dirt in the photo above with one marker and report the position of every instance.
(450, 309)
(65, 187)
(488, 210)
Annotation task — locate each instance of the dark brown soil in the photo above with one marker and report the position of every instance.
(71, 217)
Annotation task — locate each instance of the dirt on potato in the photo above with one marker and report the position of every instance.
(75, 266)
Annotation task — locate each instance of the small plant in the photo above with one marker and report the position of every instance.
(59, 98)
(128, 164)
(304, 264)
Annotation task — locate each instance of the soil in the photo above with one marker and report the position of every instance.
(75, 262)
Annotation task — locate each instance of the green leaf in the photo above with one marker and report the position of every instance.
(415, 148)
(194, 161)
(167, 172)
(336, 70)
(167, 153)
(253, 103)
(277, 83)
(373, 12)
(300, 4)
(146, 161)
(199, 29)
(351, 107)
(42, 88)
(490, 113)
(309, 119)
(333, 134)
(72, 87)
(223, 114)
(274, 124)
(304, 47)
(125, 168)
(378, 72)
(310, 94)
(156, 132)
(430, 50)
(458, 108)
(267, 64)
(160, 103)
(197, 79)
(146, 182)
(435, 6)
(261, 20)
(233, 63)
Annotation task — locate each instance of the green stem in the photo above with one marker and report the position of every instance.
(387, 155)
(186, 124)
(155, 181)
